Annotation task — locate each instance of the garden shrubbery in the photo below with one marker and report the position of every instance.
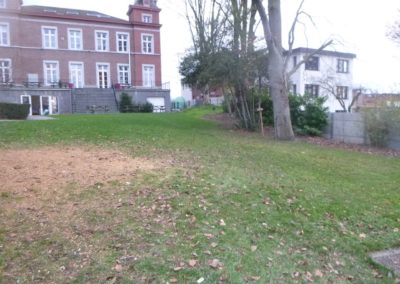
(378, 122)
(14, 111)
(126, 105)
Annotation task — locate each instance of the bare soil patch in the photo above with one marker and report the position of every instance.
(50, 168)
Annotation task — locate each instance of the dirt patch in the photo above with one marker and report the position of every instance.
(49, 168)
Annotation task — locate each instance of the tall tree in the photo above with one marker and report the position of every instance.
(277, 64)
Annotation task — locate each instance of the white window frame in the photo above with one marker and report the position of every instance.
(127, 71)
(343, 66)
(70, 63)
(7, 31)
(108, 72)
(145, 44)
(2, 68)
(2, 3)
(127, 40)
(51, 44)
(147, 18)
(72, 40)
(47, 82)
(342, 92)
(144, 79)
(107, 40)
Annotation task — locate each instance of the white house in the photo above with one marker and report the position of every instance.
(327, 73)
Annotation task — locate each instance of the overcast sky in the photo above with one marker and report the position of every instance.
(357, 26)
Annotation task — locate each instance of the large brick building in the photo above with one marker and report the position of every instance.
(48, 52)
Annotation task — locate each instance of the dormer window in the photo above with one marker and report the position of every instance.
(2, 3)
(147, 18)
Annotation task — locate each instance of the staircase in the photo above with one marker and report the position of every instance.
(93, 100)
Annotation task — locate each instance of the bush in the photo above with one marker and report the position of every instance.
(146, 107)
(14, 111)
(309, 116)
(378, 122)
(125, 103)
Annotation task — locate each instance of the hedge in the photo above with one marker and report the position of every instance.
(14, 111)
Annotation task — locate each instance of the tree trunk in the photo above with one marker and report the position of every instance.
(272, 27)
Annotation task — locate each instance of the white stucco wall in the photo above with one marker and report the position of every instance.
(326, 72)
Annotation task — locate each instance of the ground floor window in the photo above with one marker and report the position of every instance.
(312, 90)
(76, 76)
(123, 74)
(103, 75)
(342, 92)
(148, 76)
(51, 73)
(41, 105)
(5, 71)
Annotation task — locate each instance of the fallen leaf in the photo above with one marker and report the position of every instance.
(253, 248)
(318, 273)
(255, 278)
(222, 222)
(200, 280)
(192, 263)
(118, 267)
(214, 245)
(173, 280)
(215, 263)
(178, 268)
(209, 236)
(362, 236)
(266, 201)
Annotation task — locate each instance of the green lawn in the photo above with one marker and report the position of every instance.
(269, 212)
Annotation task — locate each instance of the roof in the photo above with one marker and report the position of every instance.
(67, 13)
(323, 52)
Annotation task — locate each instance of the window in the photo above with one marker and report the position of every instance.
(123, 74)
(49, 37)
(76, 74)
(103, 75)
(4, 34)
(75, 39)
(101, 41)
(342, 66)
(342, 92)
(5, 71)
(312, 90)
(147, 44)
(148, 75)
(51, 73)
(122, 42)
(312, 63)
(294, 89)
(2, 3)
(147, 18)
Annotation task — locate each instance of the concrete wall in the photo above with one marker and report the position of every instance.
(350, 128)
(140, 96)
(13, 95)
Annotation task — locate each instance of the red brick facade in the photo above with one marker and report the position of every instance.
(49, 45)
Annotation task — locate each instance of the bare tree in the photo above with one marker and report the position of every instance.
(277, 63)
(394, 31)
(333, 89)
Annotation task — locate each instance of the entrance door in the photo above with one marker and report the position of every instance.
(76, 74)
(25, 99)
(45, 105)
(103, 75)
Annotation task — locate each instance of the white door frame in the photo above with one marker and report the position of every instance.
(30, 102)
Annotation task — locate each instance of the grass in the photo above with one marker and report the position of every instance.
(270, 212)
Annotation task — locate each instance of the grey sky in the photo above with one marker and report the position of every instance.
(357, 26)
